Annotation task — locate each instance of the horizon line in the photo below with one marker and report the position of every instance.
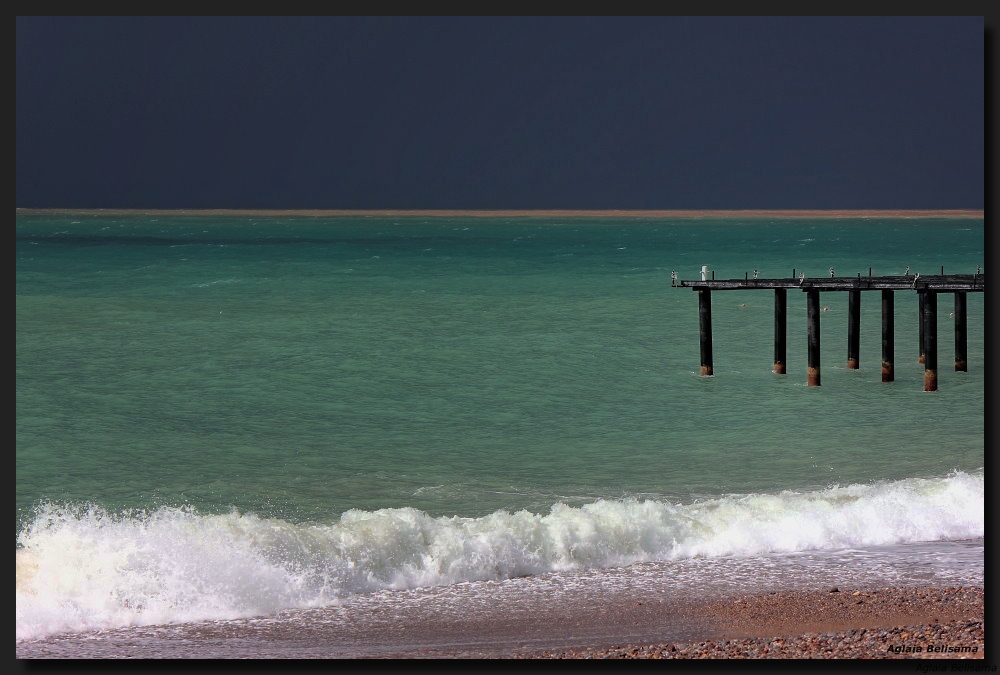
(673, 213)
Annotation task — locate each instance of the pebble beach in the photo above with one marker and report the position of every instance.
(896, 623)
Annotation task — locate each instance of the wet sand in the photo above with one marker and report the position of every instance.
(836, 623)
(941, 623)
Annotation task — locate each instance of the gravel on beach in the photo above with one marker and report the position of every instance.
(904, 623)
(585, 623)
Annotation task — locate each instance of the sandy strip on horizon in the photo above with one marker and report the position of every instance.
(517, 213)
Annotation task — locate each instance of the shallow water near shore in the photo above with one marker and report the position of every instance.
(226, 418)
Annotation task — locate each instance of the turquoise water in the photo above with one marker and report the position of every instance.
(524, 388)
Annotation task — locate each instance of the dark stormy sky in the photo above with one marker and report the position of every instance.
(500, 113)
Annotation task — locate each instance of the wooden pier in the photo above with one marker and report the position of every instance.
(927, 289)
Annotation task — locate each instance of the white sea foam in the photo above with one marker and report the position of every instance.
(82, 568)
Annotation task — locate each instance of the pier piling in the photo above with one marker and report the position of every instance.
(705, 328)
(961, 333)
(812, 318)
(780, 328)
(853, 330)
(888, 335)
(921, 299)
(929, 323)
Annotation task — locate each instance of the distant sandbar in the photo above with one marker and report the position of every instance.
(517, 213)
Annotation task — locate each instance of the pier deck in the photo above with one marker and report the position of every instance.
(939, 282)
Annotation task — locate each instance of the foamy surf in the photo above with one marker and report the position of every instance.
(81, 568)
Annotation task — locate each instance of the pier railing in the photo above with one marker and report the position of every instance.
(926, 288)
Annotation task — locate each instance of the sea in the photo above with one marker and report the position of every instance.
(228, 418)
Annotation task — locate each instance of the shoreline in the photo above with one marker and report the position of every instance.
(525, 213)
(837, 623)
(889, 623)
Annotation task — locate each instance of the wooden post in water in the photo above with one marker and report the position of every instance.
(921, 299)
(705, 326)
(928, 320)
(780, 328)
(888, 344)
(961, 338)
(853, 329)
(812, 317)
